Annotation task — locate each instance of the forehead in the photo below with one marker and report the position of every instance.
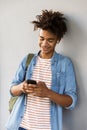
(46, 34)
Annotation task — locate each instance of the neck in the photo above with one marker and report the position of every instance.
(45, 56)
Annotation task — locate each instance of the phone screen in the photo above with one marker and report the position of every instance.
(29, 81)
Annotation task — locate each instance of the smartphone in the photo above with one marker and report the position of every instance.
(30, 81)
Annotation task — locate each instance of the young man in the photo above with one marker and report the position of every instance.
(39, 106)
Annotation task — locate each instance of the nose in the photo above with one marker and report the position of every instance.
(44, 43)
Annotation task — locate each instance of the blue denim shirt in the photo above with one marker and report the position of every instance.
(63, 82)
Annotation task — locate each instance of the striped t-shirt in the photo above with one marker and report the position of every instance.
(37, 113)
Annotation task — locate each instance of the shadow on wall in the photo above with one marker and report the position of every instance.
(74, 40)
(74, 46)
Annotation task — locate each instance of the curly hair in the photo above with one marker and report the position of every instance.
(51, 21)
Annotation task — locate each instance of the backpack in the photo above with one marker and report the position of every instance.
(14, 98)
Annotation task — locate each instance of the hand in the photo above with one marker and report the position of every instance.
(23, 87)
(41, 90)
(28, 88)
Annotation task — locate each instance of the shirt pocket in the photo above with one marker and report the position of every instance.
(61, 82)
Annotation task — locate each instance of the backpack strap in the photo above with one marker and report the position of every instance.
(13, 99)
(29, 57)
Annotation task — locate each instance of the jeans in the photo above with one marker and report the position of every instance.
(21, 128)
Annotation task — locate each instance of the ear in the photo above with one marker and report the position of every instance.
(58, 41)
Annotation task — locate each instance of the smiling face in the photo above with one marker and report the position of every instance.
(47, 42)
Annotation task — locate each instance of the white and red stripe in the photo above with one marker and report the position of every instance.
(37, 114)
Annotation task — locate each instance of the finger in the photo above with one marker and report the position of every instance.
(32, 85)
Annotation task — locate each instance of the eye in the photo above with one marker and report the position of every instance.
(41, 39)
(50, 40)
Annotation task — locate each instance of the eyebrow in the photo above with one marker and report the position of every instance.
(41, 37)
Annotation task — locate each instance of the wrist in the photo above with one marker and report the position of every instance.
(21, 88)
(49, 93)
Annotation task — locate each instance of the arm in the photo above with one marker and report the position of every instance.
(23, 87)
(60, 99)
(17, 83)
(17, 90)
(41, 90)
(68, 97)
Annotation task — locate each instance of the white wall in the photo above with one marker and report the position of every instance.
(17, 39)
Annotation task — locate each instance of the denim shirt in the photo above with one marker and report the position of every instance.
(63, 82)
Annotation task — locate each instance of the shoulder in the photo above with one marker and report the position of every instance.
(24, 59)
(23, 62)
(64, 62)
(63, 58)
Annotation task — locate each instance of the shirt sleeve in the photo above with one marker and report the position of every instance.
(70, 83)
(20, 73)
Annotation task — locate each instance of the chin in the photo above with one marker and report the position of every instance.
(45, 52)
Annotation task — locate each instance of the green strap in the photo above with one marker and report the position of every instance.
(30, 56)
(13, 99)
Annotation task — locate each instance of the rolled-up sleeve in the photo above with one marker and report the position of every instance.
(70, 83)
